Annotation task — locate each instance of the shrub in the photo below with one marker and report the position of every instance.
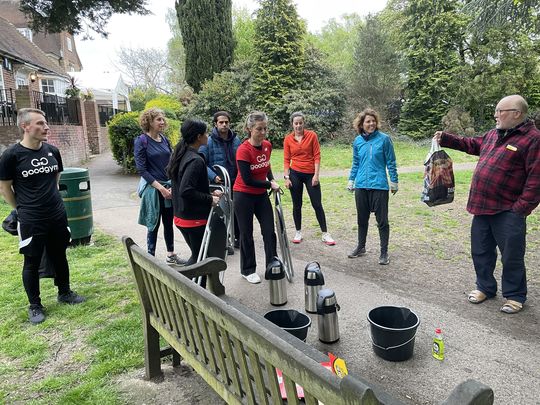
(123, 129)
(170, 105)
(230, 91)
(139, 97)
(457, 121)
(173, 132)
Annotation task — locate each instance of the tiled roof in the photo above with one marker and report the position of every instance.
(50, 43)
(15, 45)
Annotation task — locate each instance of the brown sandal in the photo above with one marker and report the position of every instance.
(476, 297)
(511, 307)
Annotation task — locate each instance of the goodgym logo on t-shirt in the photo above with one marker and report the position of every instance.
(262, 161)
(40, 166)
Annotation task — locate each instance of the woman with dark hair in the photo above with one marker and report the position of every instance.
(301, 164)
(191, 196)
(373, 154)
(250, 195)
(152, 154)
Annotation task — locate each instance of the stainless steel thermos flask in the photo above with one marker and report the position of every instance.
(313, 283)
(275, 274)
(327, 317)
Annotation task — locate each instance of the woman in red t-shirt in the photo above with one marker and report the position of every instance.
(301, 163)
(250, 195)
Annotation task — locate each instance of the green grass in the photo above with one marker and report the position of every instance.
(73, 356)
(339, 157)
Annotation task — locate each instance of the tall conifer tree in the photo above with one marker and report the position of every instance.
(433, 34)
(206, 27)
(279, 38)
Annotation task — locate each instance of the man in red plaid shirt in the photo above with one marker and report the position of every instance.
(505, 189)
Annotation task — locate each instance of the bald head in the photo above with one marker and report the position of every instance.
(517, 102)
(510, 111)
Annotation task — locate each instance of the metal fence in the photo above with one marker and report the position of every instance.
(106, 112)
(8, 111)
(58, 110)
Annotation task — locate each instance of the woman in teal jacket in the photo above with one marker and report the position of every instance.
(373, 154)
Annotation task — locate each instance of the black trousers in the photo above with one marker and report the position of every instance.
(245, 207)
(506, 230)
(298, 181)
(54, 236)
(368, 201)
(193, 237)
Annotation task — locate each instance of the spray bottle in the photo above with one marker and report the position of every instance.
(438, 345)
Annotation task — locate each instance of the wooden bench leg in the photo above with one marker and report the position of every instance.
(152, 359)
(176, 358)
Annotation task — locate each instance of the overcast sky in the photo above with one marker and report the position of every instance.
(153, 31)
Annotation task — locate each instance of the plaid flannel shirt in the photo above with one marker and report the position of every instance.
(507, 176)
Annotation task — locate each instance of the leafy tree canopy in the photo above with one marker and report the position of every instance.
(513, 14)
(76, 16)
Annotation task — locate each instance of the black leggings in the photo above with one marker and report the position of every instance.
(245, 206)
(298, 180)
(193, 237)
(54, 237)
(368, 201)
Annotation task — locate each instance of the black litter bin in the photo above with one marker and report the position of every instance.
(75, 191)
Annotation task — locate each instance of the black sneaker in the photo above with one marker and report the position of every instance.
(384, 259)
(36, 314)
(230, 250)
(70, 297)
(175, 260)
(357, 252)
(237, 244)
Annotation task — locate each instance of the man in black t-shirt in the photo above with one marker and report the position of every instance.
(29, 174)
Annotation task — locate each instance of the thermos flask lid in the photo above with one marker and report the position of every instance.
(326, 301)
(274, 270)
(313, 274)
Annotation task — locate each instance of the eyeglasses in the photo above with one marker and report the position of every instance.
(498, 111)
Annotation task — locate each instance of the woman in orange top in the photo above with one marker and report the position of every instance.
(301, 164)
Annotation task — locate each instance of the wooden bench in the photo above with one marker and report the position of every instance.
(235, 350)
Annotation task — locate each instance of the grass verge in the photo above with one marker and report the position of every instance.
(71, 357)
(339, 157)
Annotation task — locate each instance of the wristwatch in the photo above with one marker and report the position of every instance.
(286, 177)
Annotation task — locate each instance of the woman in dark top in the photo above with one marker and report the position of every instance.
(152, 154)
(191, 196)
(250, 195)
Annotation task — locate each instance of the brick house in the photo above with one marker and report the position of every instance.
(31, 78)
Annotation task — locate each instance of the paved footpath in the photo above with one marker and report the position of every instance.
(476, 347)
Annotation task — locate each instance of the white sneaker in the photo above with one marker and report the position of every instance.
(327, 239)
(252, 278)
(297, 237)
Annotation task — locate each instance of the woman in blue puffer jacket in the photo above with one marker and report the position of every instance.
(373, 154)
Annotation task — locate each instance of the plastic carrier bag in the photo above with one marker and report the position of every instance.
(439, 182)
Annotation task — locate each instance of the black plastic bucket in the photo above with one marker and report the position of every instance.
(393, 330)
(294, 322)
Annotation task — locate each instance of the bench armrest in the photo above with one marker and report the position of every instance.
(210, 267)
